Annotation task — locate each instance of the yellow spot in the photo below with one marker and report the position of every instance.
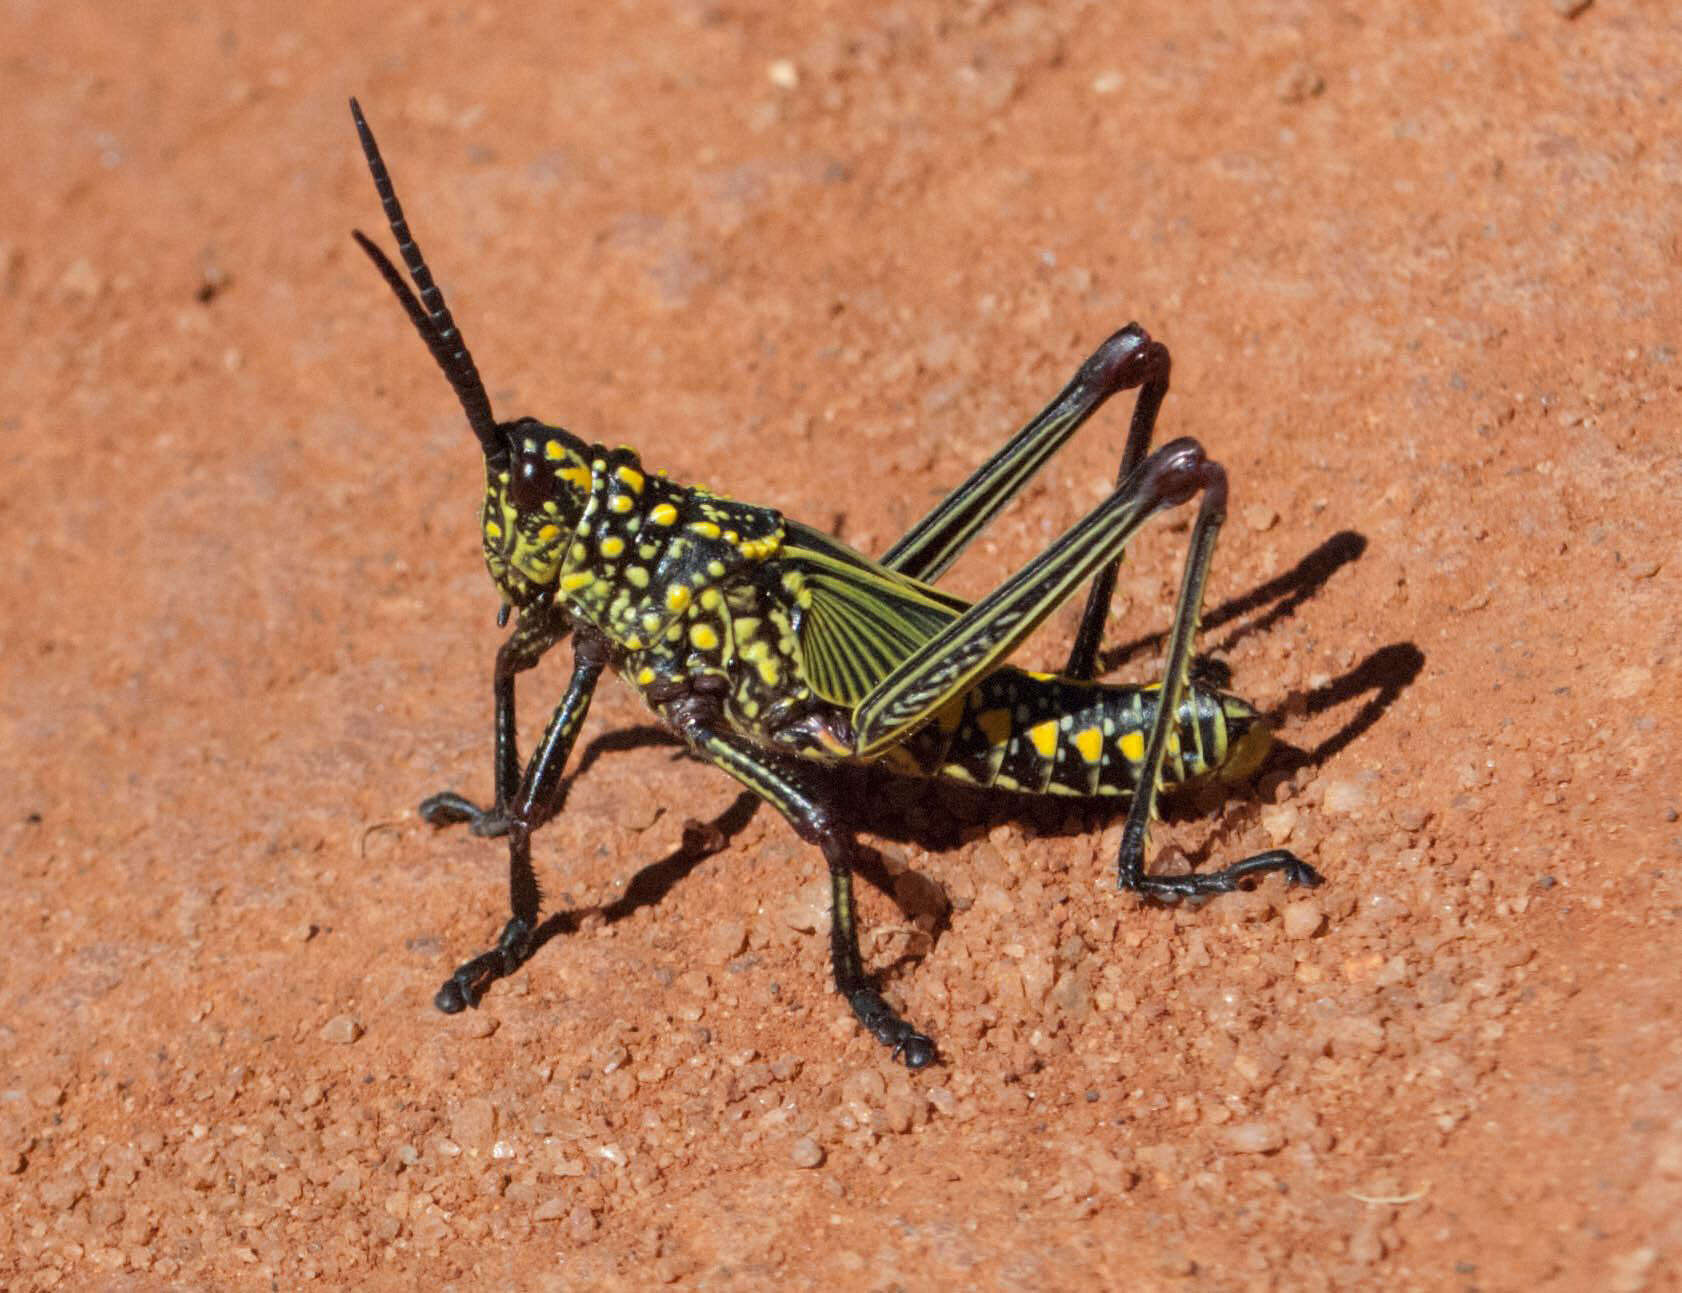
(1044, 737)
(651, 622)
(711, 599)
(576, 580)
(638, 577)
(554, 451)
(645, 676)
(1090, 743)
(620, 503)
(547, 532)
(730, 536)
(706, 529)
(575, 476)
(663, 514)
(1132, 746)
(492, 530)
(770, 672)
(994, 725)
(633, 643)
(1037, 676)
(631, 477)
(703, 637)
(578, 552)
(715, 569)
(613, 546)
(677, 597)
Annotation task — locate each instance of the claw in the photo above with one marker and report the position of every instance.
(1303, 875)
(915, 1051)
(454, 997)
(447, 808)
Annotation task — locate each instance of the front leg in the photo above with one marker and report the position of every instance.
(785, 786)
(538, 629)
(532, 804)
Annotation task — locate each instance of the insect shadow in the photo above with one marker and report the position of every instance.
(935, 815)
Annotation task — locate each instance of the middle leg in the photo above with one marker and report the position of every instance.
(783, 786)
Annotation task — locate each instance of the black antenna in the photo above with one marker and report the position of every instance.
(428, 312)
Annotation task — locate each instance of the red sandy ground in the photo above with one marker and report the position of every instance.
(1417, 264)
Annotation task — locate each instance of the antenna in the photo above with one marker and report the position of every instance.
(427, 311)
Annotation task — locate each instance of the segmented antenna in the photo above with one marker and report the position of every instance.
(427, 312)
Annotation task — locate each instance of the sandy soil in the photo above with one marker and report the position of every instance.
(1417, 264)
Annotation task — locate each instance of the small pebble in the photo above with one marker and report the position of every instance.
(1279, 820)
(808, 910)
(728, 937)
(1254, 1137)
(1300, 82)
(1303, 918)
(47, 1097)
(1260, 517)
(636, 812)
(1629, 682)
(581, 1224)
(805, 1152)
(341, 1030)
(474, 1124)
(1346, 796)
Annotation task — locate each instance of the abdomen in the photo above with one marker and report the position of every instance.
(1041, 734)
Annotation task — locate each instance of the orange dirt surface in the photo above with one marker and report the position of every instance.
(1418, 268)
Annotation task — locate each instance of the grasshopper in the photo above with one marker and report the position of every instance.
(777, 652)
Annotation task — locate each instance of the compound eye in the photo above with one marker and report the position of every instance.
(529, 485)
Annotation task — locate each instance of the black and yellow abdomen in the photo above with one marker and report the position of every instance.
(1042, 734)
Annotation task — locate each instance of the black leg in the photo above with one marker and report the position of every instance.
(1083, 656)
(1209, 478)
(538, 629)
(916, 1050)
(784, 785)
(534, 801)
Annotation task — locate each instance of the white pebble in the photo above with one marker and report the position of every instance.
(1254, 1137)
(1303, 918)
(341, 1030)
(1346, 796)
